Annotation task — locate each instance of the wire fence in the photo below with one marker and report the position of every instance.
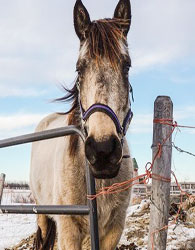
(181, 150)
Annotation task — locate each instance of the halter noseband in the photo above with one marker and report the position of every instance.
(98, 107)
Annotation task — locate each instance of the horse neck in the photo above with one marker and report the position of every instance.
(74, 118)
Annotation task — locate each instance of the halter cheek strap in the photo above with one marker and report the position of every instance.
(98, 107)
(127, 121)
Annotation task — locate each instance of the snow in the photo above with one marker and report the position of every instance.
(179, 234)
(137, 224)
(14, 228)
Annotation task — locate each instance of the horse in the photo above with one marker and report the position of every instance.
(101, 108)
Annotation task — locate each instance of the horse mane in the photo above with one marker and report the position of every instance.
(70, 96)
(73, 114)
(103, 40)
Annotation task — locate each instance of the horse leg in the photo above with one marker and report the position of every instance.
(69, 235)
(41, 231)
(111, 239)
(45, 238)
(86, 243)
(42, 224)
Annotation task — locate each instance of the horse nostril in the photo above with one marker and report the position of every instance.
(90, 150)
(108, 151)
(116, 154)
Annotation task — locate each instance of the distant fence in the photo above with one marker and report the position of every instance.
(144, 191)
(14, 196)
(2, 181)
(14, 185)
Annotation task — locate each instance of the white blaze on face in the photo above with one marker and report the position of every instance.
(83, 50)
(124, 48)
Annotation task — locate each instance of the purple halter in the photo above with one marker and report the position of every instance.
(98, 107)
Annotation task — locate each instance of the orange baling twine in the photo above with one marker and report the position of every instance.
(119, 187)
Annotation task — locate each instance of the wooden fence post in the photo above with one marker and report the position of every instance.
(160, 198)
(2, 180)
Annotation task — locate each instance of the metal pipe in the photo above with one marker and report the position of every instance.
(33, 209)
(43, 135)
(93, 209)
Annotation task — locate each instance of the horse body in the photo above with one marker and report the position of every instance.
(57, 174)
(57, 179)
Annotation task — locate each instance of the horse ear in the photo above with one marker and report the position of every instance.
(123, 11)
(81, 19)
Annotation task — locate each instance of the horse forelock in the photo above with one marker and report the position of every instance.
(105, 39)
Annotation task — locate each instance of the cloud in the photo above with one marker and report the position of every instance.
(148, 59)
(38, 44)
(17, 124)
(161, 32)
(182, 80)
(20, 92)
(141, 124)
(183, 113)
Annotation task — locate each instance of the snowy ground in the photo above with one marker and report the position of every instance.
(14, 228)
(180, 236)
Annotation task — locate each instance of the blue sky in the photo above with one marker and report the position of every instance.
(39, 50)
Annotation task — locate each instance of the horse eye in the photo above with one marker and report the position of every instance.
(126, 70)
(79, 73)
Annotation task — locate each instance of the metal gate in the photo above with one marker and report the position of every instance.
(89, 209)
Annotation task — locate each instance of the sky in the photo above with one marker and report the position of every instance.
(38, 53)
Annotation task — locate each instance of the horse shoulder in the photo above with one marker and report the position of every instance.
(46, 159)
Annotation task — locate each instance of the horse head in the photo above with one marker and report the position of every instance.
(103, 86)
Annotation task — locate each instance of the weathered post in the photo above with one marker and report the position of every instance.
(2, 180)
(160, 198)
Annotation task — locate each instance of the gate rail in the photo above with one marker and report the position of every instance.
(89, 209)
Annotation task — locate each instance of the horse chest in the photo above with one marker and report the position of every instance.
(107, 211)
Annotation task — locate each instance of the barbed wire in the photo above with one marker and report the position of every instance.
(181, 150)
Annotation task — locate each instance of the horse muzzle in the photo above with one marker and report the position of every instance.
(104, 156)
